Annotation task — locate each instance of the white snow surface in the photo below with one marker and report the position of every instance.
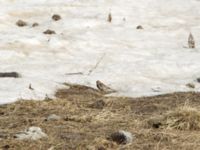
(136, 63)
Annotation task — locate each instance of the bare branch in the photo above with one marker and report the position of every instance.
(97, 64)
(74, 73)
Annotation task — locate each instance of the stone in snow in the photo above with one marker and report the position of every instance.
(122, 137)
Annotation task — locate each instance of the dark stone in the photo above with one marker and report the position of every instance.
(9, 75)
(21, 23)
(49, 32)
(118, 137)
(56, 17)
(35, 24)
(198, 80)
(139, 27)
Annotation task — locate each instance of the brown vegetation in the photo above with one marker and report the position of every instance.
(88, 118)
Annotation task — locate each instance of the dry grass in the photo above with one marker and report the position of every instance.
(84, 126)
(184, 118)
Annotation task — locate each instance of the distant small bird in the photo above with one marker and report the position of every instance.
(109, 17)
(191, 42)
(103, 88)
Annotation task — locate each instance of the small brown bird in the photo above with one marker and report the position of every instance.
(103, 88)
(191, 42)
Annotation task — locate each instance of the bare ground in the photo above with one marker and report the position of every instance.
(170, 121)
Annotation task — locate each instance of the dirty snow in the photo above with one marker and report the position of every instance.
(32, 133)
(135, 62)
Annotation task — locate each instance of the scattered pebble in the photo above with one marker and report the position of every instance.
(49, 32)
(9, 75)
(139, 27)
(53, 117)
(98, 104)
(33, 133)
(21, 23)
(190, 85)
(35, 24)
(198, 80)
(56, 17)
(121, 137)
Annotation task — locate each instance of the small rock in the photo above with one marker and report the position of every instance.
(49, 32)
(56, 17)
(9, 75)
(53, 117)
(139, 27)
(35, 24)
(98, 104)
(121, 137)
(21, 23)
(198, 80)
(33, 133)
(190, 85)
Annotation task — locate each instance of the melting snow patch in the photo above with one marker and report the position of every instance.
(53, 117)
(33, 133)
(88, 41)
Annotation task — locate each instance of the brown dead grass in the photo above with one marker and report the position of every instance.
(85, 127)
